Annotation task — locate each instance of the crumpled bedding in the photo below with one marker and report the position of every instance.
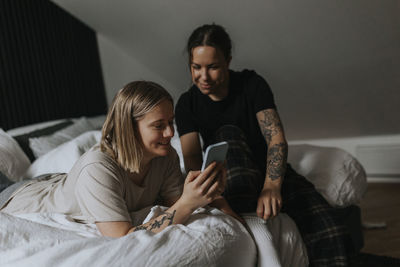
(209, 238)
(336, 174)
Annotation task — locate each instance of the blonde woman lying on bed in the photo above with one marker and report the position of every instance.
(133, 166)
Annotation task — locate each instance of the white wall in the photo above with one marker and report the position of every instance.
(350, 144)
(334, 66)
(119, 68)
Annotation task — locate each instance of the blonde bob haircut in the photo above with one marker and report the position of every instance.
(120, 136)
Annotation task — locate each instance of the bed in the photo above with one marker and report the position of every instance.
(209, 238)
(52, 108)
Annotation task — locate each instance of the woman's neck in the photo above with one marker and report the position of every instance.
(144, 162)
(222, 92)
(144, 165)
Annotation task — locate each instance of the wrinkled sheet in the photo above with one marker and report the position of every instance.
(280, 232)
(209, 238)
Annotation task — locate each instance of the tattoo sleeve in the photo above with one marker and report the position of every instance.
(272, 130)
(270, 124)
(163, 220)
(276, 160)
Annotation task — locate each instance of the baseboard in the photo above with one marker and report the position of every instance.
(383, 179)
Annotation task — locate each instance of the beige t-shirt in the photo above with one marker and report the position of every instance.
(97, 189)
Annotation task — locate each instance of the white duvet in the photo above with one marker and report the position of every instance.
(209, 238)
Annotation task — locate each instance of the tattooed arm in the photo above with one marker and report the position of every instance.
(270, 200)
(118, 229)
(200, 189)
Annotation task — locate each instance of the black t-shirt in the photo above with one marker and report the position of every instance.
(248, 94)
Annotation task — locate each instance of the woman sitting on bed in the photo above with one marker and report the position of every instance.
(239, 107)
(133, 166)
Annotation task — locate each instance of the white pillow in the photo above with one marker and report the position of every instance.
(97, 121)
(42, 145)
(336, 174)
(13, 161)
(62, 158)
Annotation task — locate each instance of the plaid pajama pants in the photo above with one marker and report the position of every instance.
(327, 240)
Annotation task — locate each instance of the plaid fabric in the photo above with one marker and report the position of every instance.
(328, 241)
(244, 179)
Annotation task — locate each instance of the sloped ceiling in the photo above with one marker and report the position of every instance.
(334, 66)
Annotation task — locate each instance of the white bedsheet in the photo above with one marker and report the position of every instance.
(209, 238)
(280, 232)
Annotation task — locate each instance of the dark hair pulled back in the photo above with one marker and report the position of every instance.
(210, 35)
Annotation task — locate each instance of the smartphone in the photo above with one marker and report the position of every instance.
(216, 152)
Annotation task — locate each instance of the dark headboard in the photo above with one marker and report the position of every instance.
(49, 65)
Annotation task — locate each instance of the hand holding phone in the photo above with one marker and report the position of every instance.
(216, 152)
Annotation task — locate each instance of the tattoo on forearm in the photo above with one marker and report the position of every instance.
(276, 160)
(140, 227)
(171, 217)
(158, 222)
(270, 124)
(167, 217)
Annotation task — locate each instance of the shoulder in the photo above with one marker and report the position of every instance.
(254, 89)
(243, 74)
(95, 155)
(250, 83)
(247, 77)
(97, 164)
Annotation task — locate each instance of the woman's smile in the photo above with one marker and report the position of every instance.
(210, 72)
(156, 130)
(205, 85)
